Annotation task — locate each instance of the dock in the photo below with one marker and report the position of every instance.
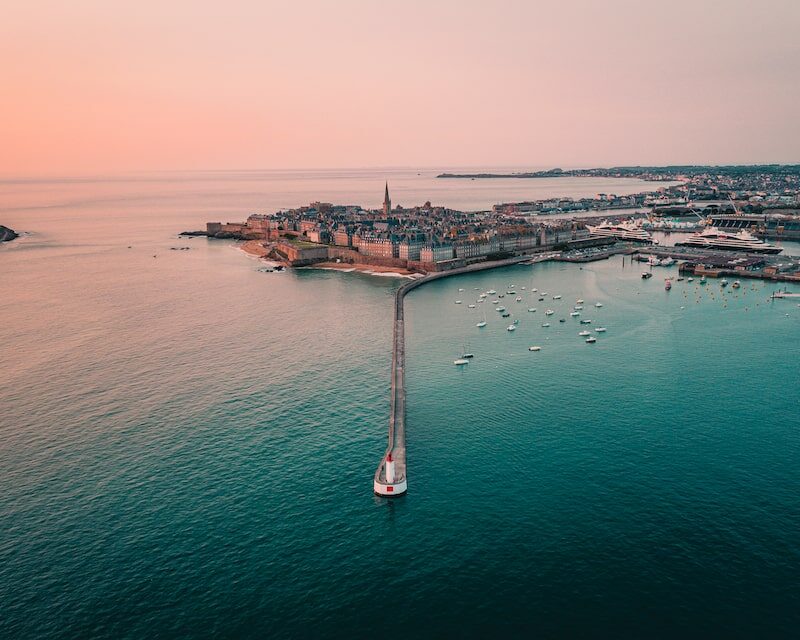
(391, 476)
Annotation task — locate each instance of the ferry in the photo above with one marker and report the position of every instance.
(714, 238)
(622, 231)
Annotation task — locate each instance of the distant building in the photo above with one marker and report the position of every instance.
(387, 202)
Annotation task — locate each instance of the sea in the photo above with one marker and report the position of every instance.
(187, 441)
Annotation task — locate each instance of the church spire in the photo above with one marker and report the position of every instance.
(387, 202)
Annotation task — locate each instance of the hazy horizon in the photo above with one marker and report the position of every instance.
(96, 88)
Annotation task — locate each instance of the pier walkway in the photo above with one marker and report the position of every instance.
(391, 476)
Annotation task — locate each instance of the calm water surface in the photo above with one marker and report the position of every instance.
(187, 444)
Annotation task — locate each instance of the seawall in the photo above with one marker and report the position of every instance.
(395, 453)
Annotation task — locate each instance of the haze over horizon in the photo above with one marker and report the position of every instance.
(93, 87)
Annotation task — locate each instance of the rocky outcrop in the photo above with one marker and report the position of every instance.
(6, 234)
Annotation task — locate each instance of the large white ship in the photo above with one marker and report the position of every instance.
(622, 231)
(715, 238)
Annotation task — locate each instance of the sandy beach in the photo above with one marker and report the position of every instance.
(365, 268)
(255, 248)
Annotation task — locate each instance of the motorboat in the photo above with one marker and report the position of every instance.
(562, 319)
(716, 238)
(458, 301)
(505, 314)
(471, 306)
(585, 333)
(556, 297)
(574, 313)
(500, 309)
(579, 301)
(736, 284)
(545, 324)
(481, 324)
(667, 284)
(578, 307)
(518, 299)
(511, 327)
(600, 329)
(460, 361)
(586, 322)
(646, 275)
(598, 304)
(629, 230)
(532, 310)
(534, 348)
(723, 283)
(591, 340)
(549, 312)
(491, 292)
(516, 322)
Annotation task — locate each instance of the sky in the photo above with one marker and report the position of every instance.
(112, 86)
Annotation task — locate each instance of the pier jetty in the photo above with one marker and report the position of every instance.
(391, 476)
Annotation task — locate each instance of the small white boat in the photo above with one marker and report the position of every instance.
(585, 333)
(545, 324)
(578, 307)
(579, 301)
(458, 301)
(531, 310)
(736, 284)
(574, 313)
(598, 304)
(556, 297)
(495, 301)
(600, 329)
(534, 290)
(549, 312)
(544, 293)
(491, 292)
(471, 306)
(511, 327)
(703, 280)
(723, 283)
(591, 340)
(460, 289)
(481, 324)
(518, 299)
(534, 348)
(500, 309)
(460, 361)
(523, 288)
(480, 300)
(516, 322)
(483, 295)
(690, 280)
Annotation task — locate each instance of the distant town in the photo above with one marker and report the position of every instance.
(764, 199)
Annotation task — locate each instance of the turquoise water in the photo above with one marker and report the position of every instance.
(188, 444)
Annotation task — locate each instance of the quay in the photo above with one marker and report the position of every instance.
(391, 476)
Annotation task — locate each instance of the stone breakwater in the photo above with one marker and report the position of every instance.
(391, 477)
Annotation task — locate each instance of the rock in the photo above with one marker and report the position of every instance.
(6, 234)
(193, 233)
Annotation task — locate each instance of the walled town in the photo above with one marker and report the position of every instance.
(763, 199)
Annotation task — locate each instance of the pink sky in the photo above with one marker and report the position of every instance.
(94, 86)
